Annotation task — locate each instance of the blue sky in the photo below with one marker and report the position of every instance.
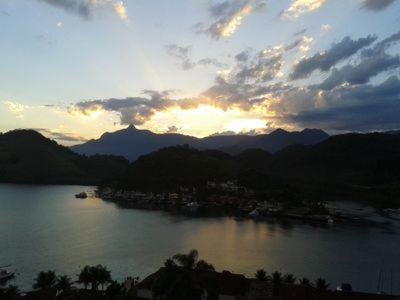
(76, 68)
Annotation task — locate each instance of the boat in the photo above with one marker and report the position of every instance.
(82, 195)
(192, 206)
(254, 214)
(5, 275)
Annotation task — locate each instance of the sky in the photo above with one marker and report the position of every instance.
(74, 69)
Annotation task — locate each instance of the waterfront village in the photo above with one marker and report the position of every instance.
(230, 199)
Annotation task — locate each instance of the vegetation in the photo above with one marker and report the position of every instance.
(353, 166)
(184, 276)
(28, 157)
(261, 275)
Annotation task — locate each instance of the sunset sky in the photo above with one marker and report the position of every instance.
(73, 69)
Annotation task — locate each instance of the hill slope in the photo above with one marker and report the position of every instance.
(27, 156)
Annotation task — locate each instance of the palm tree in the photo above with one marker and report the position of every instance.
(63, 283)
(102, 275)
(321, 284)
(85, 276)
(45, 280)
(187, 261)
(169, 263)
(305, 282)
(261, 275)
(190, 261)
(276, 278)
(204, 266)
(289, 279)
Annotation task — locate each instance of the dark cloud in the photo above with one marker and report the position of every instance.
(135, 110)
(172, 129)
(294, 44)
(362, 107)
(373, 61)
(323, 61)
(362, 72)
(61, 136)
(243, 56)
(80, 7)
(300, 32)
(376, 5)
(85, 8)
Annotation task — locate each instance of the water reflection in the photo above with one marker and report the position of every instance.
(44, 227)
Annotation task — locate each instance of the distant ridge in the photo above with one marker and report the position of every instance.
(132, 142)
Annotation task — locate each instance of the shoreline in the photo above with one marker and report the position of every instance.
(282, 216)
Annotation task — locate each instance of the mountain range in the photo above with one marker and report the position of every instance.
(352, 166)
(132, 142)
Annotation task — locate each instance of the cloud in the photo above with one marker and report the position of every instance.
(303, 43)
(229, 15)
(362, 72)
(14, 107)
(300, 32)
(373, 61)
(255, 86)
(182, 55)
(326, 27)
(376, 5)
(61, 136)
(324, 61)
(85, 8)
(264, 67)
(300, 7)
(80, 7)
(120, 9)
(172, 129)
(347, 108)
(136, 110)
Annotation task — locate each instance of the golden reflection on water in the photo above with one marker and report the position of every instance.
(221, 243)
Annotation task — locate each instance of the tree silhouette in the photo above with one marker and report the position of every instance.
(63, 283)
(289, 279)
(85, 276)
(190, 261)
(276, 278)
(45, 280)
(261, 275)
(305, 282)
(94, 275)
(169, 263)
(321, 284)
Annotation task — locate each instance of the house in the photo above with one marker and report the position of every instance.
(213, 285)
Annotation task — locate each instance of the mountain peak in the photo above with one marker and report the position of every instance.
(278, 131)
(131, 127)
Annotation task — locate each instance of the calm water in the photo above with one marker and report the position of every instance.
(45, 227)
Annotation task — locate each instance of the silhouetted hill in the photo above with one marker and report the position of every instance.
(351, 158)
(131, 142)
(352, 166)
(171, 167)
(27, 156)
